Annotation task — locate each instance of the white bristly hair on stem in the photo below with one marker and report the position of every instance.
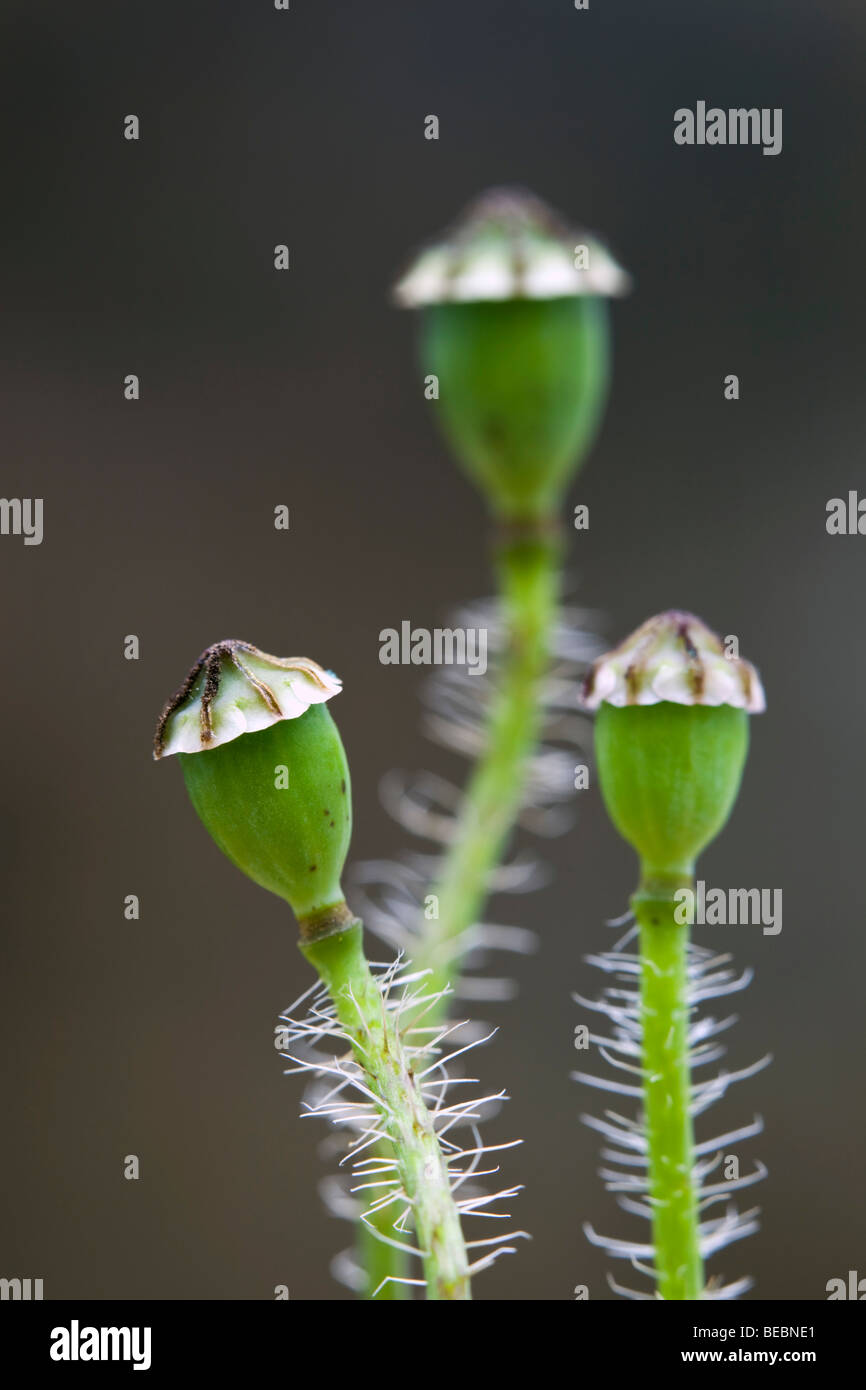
(390, 894)
(317, 1046)
(710, 976)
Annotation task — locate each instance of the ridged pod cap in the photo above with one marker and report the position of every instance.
(508, 244)
(235, 689)
(675, 657)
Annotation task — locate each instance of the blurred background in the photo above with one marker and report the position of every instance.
(154, 1037)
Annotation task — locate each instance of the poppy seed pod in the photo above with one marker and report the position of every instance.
(515, 332)
(671, 737)
(266, 771)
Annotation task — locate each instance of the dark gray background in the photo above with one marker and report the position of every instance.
(260, 127)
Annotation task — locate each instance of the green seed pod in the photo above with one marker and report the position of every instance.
(671, 738)
(515, 330)
(267, 773)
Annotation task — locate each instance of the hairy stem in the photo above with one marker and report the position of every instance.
(528, 571)
(405, 1119)
(667, 1088)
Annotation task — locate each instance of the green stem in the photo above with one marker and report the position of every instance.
(421, 1165)
(667, 1087)
(528, 570)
